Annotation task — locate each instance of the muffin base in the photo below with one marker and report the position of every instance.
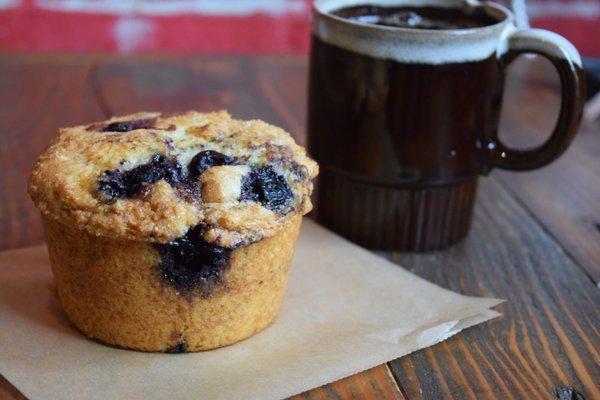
(111, 290)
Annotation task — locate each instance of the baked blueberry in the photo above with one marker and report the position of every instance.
(126, 126)
(206, 159)
(189, 262)
(119, 184)
(267, 187)
(180, 347)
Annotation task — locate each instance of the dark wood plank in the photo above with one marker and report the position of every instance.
(129, 85)
(37, 97)
(550, 332)
(564, 196)
(376, 383)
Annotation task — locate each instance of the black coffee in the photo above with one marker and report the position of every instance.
(418, 17)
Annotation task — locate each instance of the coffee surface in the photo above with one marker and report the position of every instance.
(418, 17)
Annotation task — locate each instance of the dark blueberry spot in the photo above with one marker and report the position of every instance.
(267, 187)
(207, 159)
(189, 262)
(180, 347)
(118, 184)
(126, 126)
(112, 185)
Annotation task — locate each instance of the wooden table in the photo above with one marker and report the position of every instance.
(535, 240)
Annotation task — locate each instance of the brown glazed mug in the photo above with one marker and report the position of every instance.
(404, 120)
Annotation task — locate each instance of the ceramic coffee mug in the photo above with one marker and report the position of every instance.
(403, 120)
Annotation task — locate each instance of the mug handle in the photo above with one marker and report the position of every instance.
(567, 62)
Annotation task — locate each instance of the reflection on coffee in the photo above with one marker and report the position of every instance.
(418, 17)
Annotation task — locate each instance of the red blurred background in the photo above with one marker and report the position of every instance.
(216, 26)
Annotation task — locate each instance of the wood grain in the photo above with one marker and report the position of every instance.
(376, 383)
(531, 241)
(123, 86)
(549, 333)
(37, 99)
(565, 195)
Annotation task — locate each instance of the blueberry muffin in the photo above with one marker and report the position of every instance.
(172, 232)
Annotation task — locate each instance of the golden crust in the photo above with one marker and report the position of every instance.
(64, 180)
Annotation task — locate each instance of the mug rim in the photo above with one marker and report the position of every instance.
(507, 14)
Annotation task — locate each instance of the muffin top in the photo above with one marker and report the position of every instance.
(152, 176)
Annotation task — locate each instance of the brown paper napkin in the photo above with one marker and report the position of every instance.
(345, 310)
